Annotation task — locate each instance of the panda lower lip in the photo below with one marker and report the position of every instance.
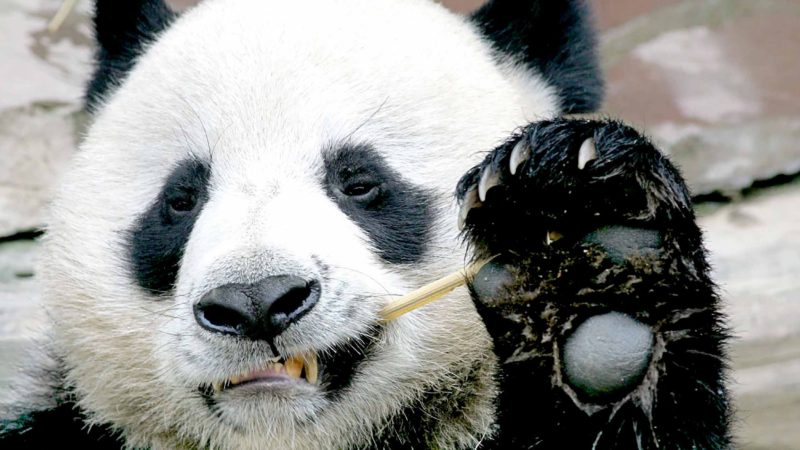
(300, 368)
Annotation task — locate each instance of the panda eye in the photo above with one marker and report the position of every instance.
(182, 202)
(362, 192)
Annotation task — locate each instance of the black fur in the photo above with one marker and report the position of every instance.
(62, 426)
(122, 29)
(553, 37)
(682, 401)
(158, 240)
(394, 213)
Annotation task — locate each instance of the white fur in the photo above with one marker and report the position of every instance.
(261, 88)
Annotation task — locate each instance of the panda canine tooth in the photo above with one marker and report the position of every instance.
(469, 202)
(519, 155)
(312, 369)
(217, 386)
(294, 367)
(489, 179)
(588, 152)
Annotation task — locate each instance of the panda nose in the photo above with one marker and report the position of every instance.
(258, 311)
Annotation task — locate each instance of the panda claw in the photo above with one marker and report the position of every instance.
(587, 153)
(519, 155)
(489, 179)
(552, 236)
(469, 202)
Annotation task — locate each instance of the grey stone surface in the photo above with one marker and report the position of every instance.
(19, 291)
(767, 387)
(36, 142)
(729, 158)
(43, 78)
(38, 66)
(755, 249)
(713, 81)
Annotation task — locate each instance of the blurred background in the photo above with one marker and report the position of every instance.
(715, 82)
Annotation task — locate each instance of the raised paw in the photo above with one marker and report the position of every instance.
(596, 293)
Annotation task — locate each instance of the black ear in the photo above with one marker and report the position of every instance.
(122, 29)
(554, 38)
(63, 425)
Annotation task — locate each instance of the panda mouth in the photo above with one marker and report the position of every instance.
(300, 368)
(331, 370)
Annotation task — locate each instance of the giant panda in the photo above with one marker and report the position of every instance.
(261, 177)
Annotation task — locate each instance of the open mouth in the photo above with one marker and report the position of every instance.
(300, 368)
(331, 370)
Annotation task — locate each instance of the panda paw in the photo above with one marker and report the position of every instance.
(596, 293)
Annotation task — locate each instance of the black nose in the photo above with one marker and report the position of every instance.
(258, 311)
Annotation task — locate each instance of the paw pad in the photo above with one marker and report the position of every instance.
(607, 354)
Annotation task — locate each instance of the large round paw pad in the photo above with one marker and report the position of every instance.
(607, 354)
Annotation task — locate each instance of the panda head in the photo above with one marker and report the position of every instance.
(258, 180)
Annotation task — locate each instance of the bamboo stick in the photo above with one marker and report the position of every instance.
(63, 12)
(429, 293)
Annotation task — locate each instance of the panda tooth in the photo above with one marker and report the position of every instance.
(294, 367)
(519, 155)
(469, 202)
(588, 152)
(312, 369)
(217, 385)
(489, 179)
(235, 379)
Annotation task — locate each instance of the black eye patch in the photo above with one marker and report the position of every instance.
(395, 214)
(158, 239)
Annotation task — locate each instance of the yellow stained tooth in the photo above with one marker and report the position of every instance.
(294, 367)
(311, 367)
(278, 367)
(217, 386)
(235, 380)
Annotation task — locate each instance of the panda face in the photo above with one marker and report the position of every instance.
(257, 151)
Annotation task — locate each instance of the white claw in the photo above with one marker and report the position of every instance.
(470, 201)
(553, 236)
(588, 152)
(489, 179)
(518, 156)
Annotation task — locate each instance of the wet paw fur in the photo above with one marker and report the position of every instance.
(597, 295)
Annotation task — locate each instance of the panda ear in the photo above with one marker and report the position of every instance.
(554, 38)
(122, 29)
